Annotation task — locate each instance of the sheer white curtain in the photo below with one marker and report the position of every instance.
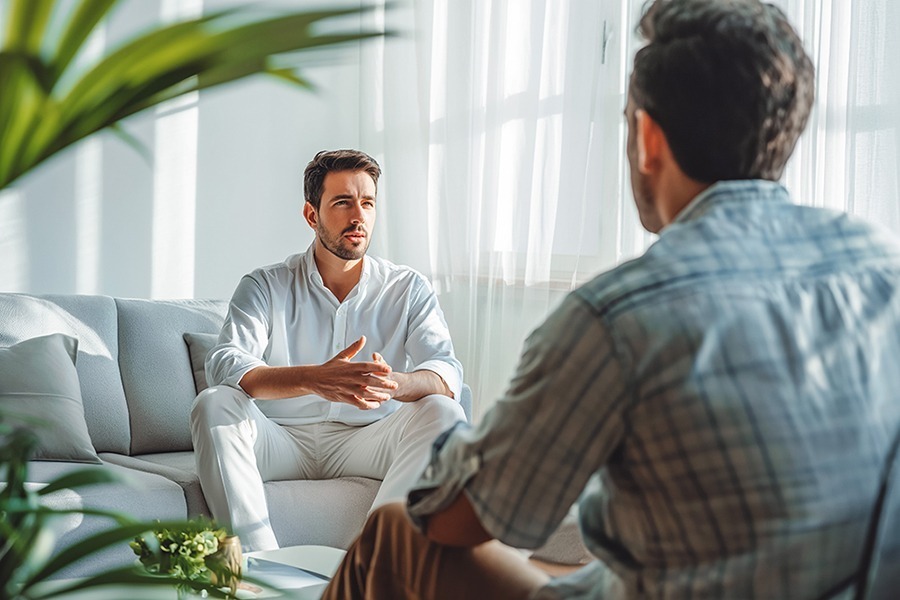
(849, 156)
(499, 125)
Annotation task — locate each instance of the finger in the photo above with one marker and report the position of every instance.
(375, 368)
(380, 360)
(377, 394)
(364, 404)
(352, 350)
(383, 383)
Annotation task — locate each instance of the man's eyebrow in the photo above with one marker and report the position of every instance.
(349, 197)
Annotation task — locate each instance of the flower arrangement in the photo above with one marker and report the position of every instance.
(201, 554)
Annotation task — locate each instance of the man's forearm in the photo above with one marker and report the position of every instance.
(418, 384)
(457, 525)
(276, 383)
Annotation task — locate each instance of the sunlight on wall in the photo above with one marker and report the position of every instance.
(13, 241)
(88, 192)
(175, 199)
(88, 214)
(175, 184)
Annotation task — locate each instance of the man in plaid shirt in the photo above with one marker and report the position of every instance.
(719, 407)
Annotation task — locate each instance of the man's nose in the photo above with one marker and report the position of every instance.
(358, 215)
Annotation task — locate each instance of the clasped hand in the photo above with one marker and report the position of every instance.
(363, 384)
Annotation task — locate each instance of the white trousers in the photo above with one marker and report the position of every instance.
(237, 448)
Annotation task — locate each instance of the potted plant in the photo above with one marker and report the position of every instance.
(27, 538)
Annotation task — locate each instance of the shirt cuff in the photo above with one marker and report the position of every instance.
(445, 371)
(235, 372)
(444, 478)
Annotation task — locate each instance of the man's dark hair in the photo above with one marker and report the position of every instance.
(328, 161)
(728, 82)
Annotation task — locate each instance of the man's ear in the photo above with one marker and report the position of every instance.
(651, 142)
(310, 214)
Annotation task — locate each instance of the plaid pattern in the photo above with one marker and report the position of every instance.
(722, 405)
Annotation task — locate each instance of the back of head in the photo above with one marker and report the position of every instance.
(728, 82)
(328, 161)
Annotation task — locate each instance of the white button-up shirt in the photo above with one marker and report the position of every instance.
(283, 315)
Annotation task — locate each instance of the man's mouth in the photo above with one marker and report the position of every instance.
(355, 236)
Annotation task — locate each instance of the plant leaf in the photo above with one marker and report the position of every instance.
(291, 76)
(80, 26)
(24, 508)
(94, 543)
(38, 118)
(84, 477)
(135, 144)
(27, 22)
(130, 575)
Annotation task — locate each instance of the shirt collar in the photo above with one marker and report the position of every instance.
(745, 190)
(313, 275)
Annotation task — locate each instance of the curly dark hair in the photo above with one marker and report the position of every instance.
(328, 161)
(729, 83)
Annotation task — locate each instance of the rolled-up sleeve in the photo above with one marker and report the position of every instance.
(244, 336)
(534, 452)
(428, 343)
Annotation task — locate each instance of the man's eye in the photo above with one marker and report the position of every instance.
(369, 204)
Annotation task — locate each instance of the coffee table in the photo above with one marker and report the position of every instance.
(303, 572)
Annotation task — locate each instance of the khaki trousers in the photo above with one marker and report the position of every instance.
(391, 560)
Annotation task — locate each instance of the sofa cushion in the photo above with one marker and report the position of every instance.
(92, 320)
(178, 467)
(143, 496)
(156, 370)
(199, 345)
(39, 390)
(325, 512)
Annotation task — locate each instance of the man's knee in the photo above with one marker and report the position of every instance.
(387, 520)
(216, 403)
(441, 409)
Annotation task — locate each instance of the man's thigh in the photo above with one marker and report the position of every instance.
(366, 451)
(284, 452)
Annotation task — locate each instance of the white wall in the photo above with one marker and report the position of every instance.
(223, 193)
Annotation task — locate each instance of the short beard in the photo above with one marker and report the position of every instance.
(336, 245)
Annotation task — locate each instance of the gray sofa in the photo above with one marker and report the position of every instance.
(137, 387)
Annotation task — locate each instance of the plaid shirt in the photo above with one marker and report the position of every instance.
(721, 405)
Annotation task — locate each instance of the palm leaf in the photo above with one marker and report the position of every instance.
(131, 575)
(95, 543)
(84, 19)
(30, 510)
(41, 115)
(81, 478)
(26, 25)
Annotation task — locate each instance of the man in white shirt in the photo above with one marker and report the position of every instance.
(329, 364)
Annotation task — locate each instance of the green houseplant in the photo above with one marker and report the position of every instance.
(27, 538)
(48, 101)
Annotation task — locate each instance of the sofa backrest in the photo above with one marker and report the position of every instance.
(156, 367)
(133, 364)
(91, 319)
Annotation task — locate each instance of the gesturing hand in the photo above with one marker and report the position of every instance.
(363, 384)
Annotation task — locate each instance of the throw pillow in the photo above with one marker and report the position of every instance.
(199, 345)
(39, 386)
